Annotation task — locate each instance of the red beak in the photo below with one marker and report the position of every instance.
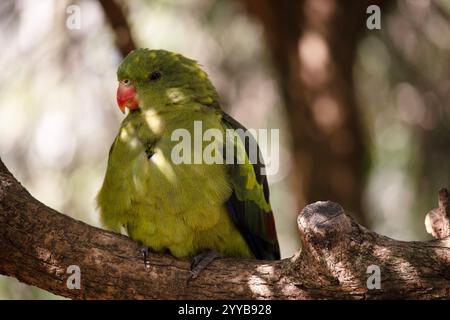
(127, 97)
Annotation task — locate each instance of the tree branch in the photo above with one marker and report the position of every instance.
(37, 244)
(437, 221)
(122, 32)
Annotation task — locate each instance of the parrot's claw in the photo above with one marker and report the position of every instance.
(145, 251)
(201, 261)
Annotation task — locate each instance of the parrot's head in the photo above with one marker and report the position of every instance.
(161, 80)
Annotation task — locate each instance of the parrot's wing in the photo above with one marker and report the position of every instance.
(249, 205)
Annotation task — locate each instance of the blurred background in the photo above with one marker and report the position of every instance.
(364, 115)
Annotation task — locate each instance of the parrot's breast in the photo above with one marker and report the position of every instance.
(179, 207)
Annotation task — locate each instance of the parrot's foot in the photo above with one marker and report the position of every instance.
(144, 252)
(201, 261)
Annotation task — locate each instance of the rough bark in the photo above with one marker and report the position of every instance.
(38, 244)
(313, 45)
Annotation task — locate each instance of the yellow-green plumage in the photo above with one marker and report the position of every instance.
(166, 206)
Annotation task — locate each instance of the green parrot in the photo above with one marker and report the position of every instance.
(188, 209)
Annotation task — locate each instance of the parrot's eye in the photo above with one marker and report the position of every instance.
(155, 75)
(126, 82)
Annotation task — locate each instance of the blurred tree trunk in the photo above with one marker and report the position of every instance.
(116, 18)
(313, 44)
